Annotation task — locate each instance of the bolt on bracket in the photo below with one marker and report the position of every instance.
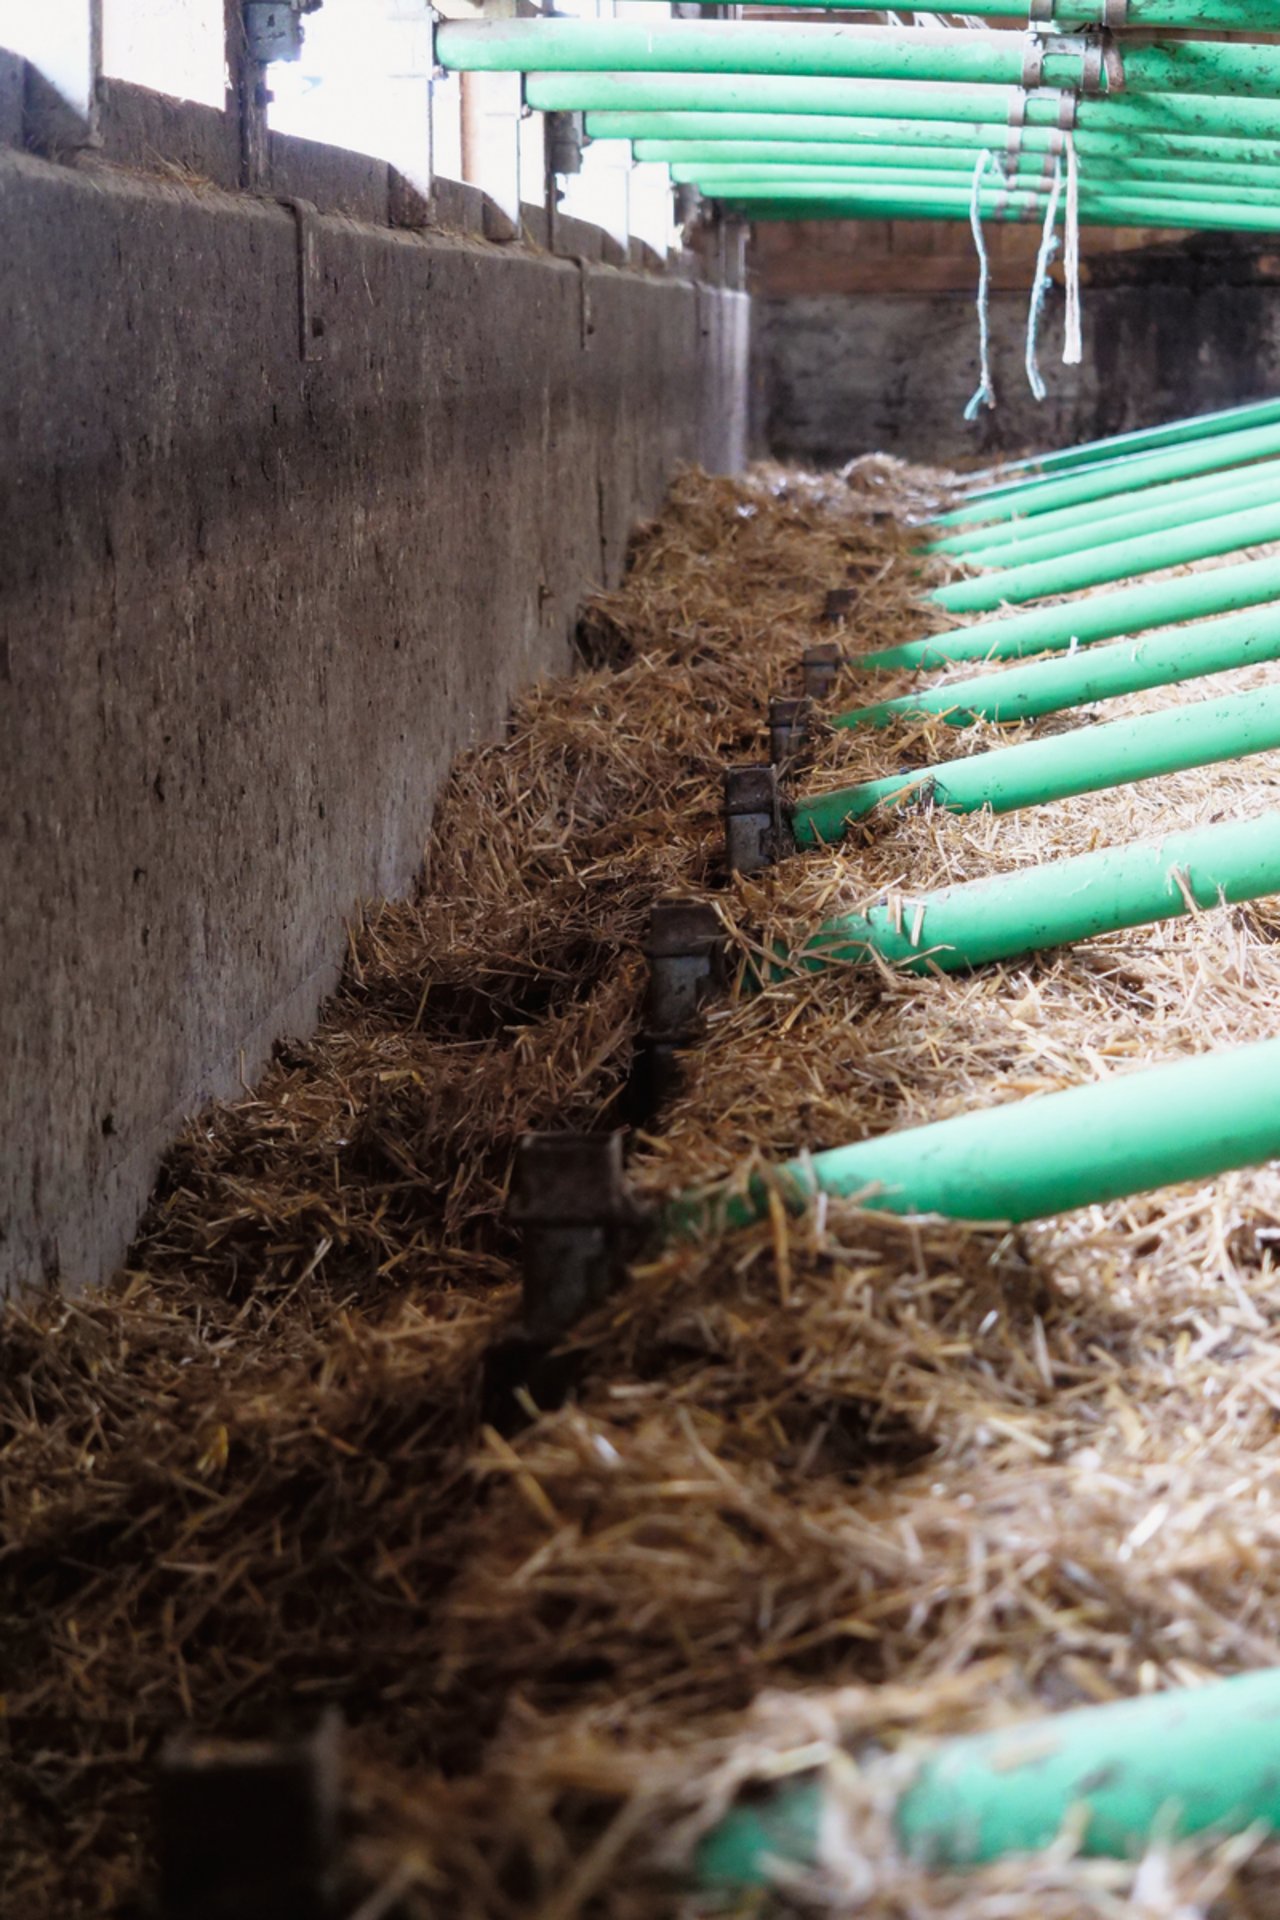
(788, 729)
(686, 954)
(248, 1828)
(579, 1223)
(756, 833)
(819, 667)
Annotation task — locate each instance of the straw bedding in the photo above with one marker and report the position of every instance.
(833, 1484)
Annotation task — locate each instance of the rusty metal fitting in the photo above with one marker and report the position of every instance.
(755, 831)
(839, 604)
(248, 1828)
(788, 729)
(686, 951)
(819, 667)
(579, 1224)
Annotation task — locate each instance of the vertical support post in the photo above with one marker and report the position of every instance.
(491, 107)
(578, 1223)
(247, 99)
(819, 668)
(755, 831)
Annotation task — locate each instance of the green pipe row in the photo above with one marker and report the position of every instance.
(1003, 542)
(1087, 675)
(653, 132)
(1120, 476)
(1054, 905)
(1093, 566)
(1100, 616)
(1255, 117)
(1250, 487)
(1087, 759)
(1196, 1760)
(736, 47)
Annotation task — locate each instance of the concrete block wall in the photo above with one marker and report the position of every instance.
(295, 503)
(869, 338)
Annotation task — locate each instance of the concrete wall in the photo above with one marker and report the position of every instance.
(1168, 329)
(251, 604)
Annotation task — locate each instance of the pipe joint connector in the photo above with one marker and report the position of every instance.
(579, 1224)
(756, 830)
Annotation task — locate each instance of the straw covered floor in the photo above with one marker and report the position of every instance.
(831, 1486)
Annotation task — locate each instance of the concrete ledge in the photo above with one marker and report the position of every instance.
(139, 128)
(254, 602)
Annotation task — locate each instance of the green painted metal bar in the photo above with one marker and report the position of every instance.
(1096, 566)
(1088, 675)
(1010, 914)
(1200, 115)
(1005, 541)
(1136, 522)
(1197, 426)
(1098, 210)
(1169, 182)
(1121, 476)
(969, 136)
(716, 160)
(978, 56)
(1099, 616)
(1085, 760)
(1029, 1159)
(1168, 1765)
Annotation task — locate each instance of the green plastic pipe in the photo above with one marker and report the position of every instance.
(1004, 542)
(1087, 675)
(755, 177)
(1110, 477)
(970, 136)
(979, 56)
(1222, 116)
(1087, 759)
(1119, 526)
(1165, 1766)
(715, 160)
(1056, 904)
(1096, 209)
(1094, 566)
(1196, 426)
(1029, 1159)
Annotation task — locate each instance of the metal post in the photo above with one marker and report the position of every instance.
(755, 831)
(578, 1223)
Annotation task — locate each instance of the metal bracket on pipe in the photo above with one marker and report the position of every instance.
(788, 730)
(579, 1224)
(686, 952)
(839, 602)
(248, 1828)
(756, 833)
(819, 669)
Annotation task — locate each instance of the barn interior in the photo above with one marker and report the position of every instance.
(639, 1219)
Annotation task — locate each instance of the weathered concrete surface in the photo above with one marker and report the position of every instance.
(251, 605)
(1167, 331)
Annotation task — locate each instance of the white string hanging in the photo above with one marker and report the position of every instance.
(1072, 348)
(986, 393)
(1040, 284)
